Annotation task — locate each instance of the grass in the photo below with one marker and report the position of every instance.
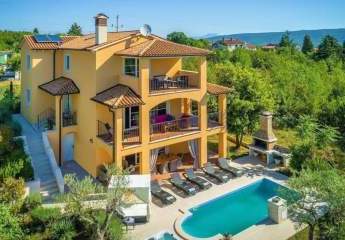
(212, 144)
(302, 235)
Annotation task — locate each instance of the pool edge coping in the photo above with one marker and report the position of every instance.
(186, 213)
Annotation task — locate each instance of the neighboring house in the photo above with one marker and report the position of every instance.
(232, 44)
(270, 47)
(4, 57)
(120, 97)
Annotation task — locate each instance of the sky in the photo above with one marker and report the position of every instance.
(194, 17)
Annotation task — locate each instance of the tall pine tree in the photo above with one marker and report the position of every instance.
(307, 45)
(285, 41)
(75, 30)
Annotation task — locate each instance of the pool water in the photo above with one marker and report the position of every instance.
(232, 212)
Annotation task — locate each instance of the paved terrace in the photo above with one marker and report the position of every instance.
(163, 218)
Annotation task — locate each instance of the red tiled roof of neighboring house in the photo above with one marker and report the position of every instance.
(270, 46)
(233, 41)
(216, 89)
(118, 96)
(60, 86)
(159, 47)
(86, 42)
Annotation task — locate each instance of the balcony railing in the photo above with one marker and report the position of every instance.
(213, 120)
(131, 135)
(183, 80)
(105, 132)
(69, 119)
(174, 127)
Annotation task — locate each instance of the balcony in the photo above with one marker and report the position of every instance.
(183, 80)
(213, 120)
(69, 119)
(105, 133)
(172, 128)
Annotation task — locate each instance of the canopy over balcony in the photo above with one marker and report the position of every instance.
(118, 96)
(215, 89)
(60, 86)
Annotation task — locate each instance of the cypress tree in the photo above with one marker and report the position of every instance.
(307, 45)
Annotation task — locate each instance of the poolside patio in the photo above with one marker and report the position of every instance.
(163, 218)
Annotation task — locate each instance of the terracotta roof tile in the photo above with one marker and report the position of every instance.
(215, 89)
(158, 47)
(32, 44)
(118, 96)
(86, 42)
(60, 86)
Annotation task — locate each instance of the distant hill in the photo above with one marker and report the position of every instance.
(274, 37)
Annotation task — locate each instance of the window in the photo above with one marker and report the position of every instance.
(160, 109)
(131, 117)
(28, 97)
(131, 67)
(28, 62)
(67, 63)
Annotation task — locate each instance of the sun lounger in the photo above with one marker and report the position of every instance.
(185, 186)
(219, 175)
(158, 192)
(224, 165)
(202, 183)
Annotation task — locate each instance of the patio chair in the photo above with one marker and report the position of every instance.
(224, 165)
(185, 186)
(202, 183)
(217, 174)
(165, 197)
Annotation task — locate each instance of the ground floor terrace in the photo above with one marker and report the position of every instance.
(164, 218)
(162, 158)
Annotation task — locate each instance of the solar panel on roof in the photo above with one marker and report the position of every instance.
(41, 38)
(54, 38)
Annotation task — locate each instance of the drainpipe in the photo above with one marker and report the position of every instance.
(60, 132)
(113, 114)
(54, 56)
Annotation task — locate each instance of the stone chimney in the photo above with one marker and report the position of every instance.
(265, 133)
(101, 28)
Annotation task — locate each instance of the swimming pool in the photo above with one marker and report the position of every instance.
(232, 212)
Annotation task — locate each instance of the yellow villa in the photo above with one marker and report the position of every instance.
(121, 97)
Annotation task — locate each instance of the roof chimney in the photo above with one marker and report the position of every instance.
(101, 28)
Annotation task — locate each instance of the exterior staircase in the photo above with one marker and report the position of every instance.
(40, 161)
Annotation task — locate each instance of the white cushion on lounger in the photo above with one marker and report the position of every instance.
(135, 210)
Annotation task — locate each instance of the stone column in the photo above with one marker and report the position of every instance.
(145, 161)
(222, 137)
(186, 106)
(118, 122)
(202, 150)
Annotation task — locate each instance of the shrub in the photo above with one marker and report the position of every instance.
(9, 224)
(32, 201)
(11, 190)
(43, 216)
(63, 229)
(16, 127)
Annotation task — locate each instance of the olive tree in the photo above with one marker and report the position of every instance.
(96, 206)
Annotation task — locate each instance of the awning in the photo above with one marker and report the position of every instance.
(60, 86)
(215, 89)
(118, 96)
